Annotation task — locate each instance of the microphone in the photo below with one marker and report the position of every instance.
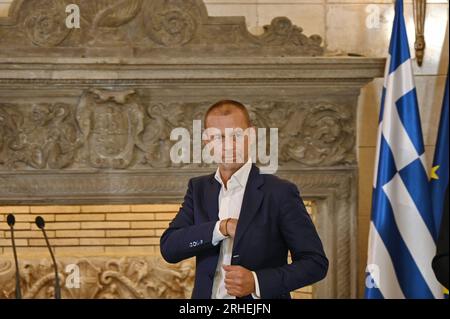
(11, 220)
(40, 223)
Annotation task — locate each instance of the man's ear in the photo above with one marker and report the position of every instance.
(205, 141)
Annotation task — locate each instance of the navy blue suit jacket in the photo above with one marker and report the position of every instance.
(273, 220)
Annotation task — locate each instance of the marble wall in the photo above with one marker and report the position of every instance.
(360, 27)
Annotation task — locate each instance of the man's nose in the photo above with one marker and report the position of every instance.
(230, 144)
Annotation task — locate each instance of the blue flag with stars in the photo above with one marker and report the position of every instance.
(439, 172)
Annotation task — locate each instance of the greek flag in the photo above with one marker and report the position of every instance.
(402, 229)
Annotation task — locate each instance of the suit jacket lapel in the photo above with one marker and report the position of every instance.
(211, 198)
(250, 204)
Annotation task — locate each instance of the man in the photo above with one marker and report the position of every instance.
(240, 224)
(440, 261)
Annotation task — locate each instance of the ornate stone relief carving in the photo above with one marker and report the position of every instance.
(172, 25)
(45, 26)
(110, 14)
(281, 32)
(43, 137)
(144, 25)
(110, 123)
(112, 130)
(310, 133)
(101, 278)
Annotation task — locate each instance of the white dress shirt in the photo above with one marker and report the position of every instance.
(230, 202)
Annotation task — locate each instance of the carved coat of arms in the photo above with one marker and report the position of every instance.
(110, 122)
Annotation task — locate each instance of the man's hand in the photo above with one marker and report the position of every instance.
(230, 229)
(239, 281)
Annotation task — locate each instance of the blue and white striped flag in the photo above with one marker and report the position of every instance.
(402, 231)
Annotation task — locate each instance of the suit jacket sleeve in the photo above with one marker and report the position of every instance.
(309, 263)
(185, 239)
(441, 260)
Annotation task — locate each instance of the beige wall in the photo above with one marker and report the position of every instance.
(343, 26)
(92, 229)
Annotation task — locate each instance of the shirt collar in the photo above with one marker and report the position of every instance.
(241, 175)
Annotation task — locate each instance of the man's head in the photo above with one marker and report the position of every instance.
(229, 119)
(228, 108)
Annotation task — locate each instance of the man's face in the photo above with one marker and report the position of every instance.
(231, 127)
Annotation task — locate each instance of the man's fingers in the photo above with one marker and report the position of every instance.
(231, 287)
(230, 281)
(233, 282)
(229, 268)
(233, 292)
(234, 275)
(237, 280)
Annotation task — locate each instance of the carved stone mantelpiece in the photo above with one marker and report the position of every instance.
(86, 114)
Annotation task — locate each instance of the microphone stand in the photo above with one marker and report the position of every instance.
(11, 220)
(40, 223)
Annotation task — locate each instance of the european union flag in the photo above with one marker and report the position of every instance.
(439, 175)
(439, 172)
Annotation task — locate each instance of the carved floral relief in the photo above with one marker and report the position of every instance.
(143, 25)
(100, 278)
(110, 129)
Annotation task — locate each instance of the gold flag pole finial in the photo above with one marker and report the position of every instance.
(419, 9)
